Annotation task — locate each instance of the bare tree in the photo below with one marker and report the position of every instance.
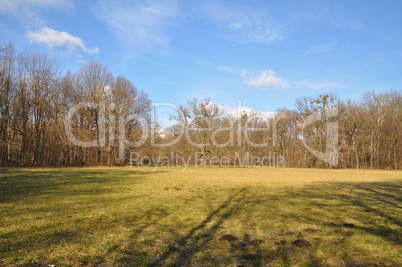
(94, 80)
(7, 83)
(375, 114)
(200, 119)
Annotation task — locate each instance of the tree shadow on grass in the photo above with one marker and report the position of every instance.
(350, 209)
(375, 206)
(199, 236)
(56, 235)
(374, 209)
(20, 184)
(196, 239)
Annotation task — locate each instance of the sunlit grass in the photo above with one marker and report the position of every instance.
(132, 216)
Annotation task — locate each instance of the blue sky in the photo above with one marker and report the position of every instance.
(264, 53)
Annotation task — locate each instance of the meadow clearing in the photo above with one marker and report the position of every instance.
(133, 216)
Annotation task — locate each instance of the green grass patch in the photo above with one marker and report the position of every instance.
(133, 216)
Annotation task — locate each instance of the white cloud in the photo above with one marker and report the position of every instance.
(241, 26)
(138, 25)
(240, 110)
(267, 80)
(233, 111)
(53, 38)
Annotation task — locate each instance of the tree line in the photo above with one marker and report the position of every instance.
(43, 111)
(365, 134)
(35, 100)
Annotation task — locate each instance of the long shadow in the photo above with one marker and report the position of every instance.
(368, 199)
(375, 208)
(18, 184)
(44, 236)
(343, 197)
(186, 250)
(149, 218)
(385, 187)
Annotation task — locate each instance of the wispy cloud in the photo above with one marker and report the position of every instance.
(328, 12)
(53, 38)
(138, 25)
(235, 70)
(24, 10)
(14, 5)
(241, 26)
(320, 85)
(203, 62)
(322, 48)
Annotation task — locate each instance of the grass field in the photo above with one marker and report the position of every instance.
(132, 216)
